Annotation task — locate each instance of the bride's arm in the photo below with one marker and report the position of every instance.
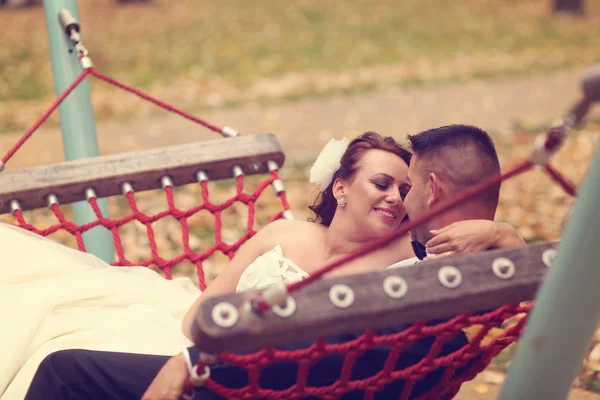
(227, 280)
(473, 236)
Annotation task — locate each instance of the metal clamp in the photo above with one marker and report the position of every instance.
(229, 132)
(555, 136)
(71, 27)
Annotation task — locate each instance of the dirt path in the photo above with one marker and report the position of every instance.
(304, 125)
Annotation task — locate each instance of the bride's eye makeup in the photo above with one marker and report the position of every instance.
(381, 185)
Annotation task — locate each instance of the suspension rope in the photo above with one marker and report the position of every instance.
(568, 186)
(225, 131)
(44, 117)
(156, 101)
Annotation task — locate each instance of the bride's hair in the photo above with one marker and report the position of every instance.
(325, 204)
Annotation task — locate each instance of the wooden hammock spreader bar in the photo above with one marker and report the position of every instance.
(423, 292)
(68, 181)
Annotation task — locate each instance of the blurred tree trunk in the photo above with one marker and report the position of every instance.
(569, 6)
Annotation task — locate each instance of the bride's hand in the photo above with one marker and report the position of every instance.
(472, 236)
(169, 383)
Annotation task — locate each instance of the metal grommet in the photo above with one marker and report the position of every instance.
(342, 296)
(126, 187)
(503, 268)
(90, 193)
(548, 257)
(198, 380)
(201, 176)
(225, 314)
(287, 310)
(14, 206)
(166, 182)
(449, 276)
(51, 200)
(395, 287)
(237, 171)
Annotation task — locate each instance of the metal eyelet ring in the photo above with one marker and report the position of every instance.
(449, 276)
(503, 268)
(395, 287)
(548, 257)
(225, 314)
(287, 310)
(342, 296)
(198, 380)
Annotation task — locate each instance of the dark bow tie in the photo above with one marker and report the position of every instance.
(419, 249)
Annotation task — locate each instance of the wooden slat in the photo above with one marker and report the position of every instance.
(143, 169)
(426, 299)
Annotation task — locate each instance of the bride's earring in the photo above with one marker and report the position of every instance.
(341, 202)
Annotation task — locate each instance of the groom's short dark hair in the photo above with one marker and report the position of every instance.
(460, 154)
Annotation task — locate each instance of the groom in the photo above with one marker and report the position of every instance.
(446, 160)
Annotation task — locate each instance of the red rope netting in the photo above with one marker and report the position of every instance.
(437, 373)
(150, 220)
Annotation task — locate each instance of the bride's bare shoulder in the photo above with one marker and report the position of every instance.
(286, 228)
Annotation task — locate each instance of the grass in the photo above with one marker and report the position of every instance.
(230, 51)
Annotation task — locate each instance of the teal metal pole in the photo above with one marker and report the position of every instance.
(76, 120)
(567, 309)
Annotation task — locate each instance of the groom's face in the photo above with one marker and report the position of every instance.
(415, 201)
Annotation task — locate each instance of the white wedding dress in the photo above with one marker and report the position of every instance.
(54, 298)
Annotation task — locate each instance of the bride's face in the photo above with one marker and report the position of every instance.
(375, 195)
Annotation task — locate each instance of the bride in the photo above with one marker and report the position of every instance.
(57, 298)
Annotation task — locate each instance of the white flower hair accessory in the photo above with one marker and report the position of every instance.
(328, 162)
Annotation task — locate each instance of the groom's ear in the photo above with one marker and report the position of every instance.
(434, 188)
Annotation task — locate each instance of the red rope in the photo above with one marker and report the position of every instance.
(475, 353)
(156, 101)
(90, 71)
(45, 115)
(561, 180)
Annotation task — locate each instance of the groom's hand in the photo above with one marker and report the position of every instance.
(169, 383)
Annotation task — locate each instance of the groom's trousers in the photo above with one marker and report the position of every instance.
(90, 375)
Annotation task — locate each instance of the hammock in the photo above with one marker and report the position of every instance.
(439, 302)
